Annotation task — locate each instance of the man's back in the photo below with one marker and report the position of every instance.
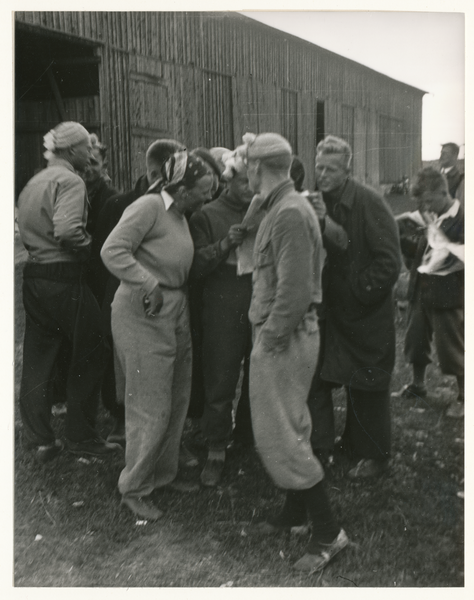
(52, 212)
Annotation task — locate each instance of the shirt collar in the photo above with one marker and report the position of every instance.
(167, 199)
(446, 170)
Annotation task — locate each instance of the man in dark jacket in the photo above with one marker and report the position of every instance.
(436, 288)
(217, 230)
(448, 167)
(358, 330)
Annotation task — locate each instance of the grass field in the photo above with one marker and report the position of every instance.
(406, 529)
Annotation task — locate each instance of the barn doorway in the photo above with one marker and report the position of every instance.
(56, 79)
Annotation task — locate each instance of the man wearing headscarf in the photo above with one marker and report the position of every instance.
(60, 308)
(286, 289)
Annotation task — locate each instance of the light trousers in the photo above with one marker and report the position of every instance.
(279, 386)
(156, 358)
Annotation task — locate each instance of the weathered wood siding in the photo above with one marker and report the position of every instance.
(207, 78)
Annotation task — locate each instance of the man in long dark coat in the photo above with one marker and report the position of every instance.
(358, 331)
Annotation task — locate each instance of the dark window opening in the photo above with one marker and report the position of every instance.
(320, 134)
(56, 80)
(218, 123)
(289, 118)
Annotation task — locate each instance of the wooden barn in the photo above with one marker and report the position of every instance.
(205, 79)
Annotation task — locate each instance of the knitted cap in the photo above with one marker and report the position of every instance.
(267, 145)
(65, 135)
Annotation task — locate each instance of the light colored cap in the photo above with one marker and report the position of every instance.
(266, 145)
(65, 135)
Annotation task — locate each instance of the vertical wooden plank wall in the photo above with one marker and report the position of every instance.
(260, 61)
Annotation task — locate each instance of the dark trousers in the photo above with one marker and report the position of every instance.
(227, 341)
(367, 431)
(368, 425)
(115, 405)
(60, 310)
(196, 403)
(320, 403)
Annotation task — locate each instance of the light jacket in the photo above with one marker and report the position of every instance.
(288, 259)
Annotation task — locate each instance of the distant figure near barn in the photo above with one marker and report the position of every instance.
(448, 167)
(358, 329)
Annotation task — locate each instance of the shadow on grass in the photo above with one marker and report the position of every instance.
(406, 528)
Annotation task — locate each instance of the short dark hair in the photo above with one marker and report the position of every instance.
(205, 155)
(297, 173)
(160, 150)
(452, 147)
(428, 180)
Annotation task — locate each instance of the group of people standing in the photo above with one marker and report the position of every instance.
(291, 296)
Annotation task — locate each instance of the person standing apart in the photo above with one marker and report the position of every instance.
(151, 252)
(358, 311)
(60, 308)
(448, 166)
(436, 287)
(286, 289)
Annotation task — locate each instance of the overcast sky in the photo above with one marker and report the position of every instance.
(425, 50)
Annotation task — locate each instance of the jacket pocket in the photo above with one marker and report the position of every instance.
(264, 256)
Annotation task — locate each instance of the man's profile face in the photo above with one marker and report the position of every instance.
(253, 175)
(331, 171)
(80, 155)
(447, 158)
(239, 185)
(153, 170)
(96, 167)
